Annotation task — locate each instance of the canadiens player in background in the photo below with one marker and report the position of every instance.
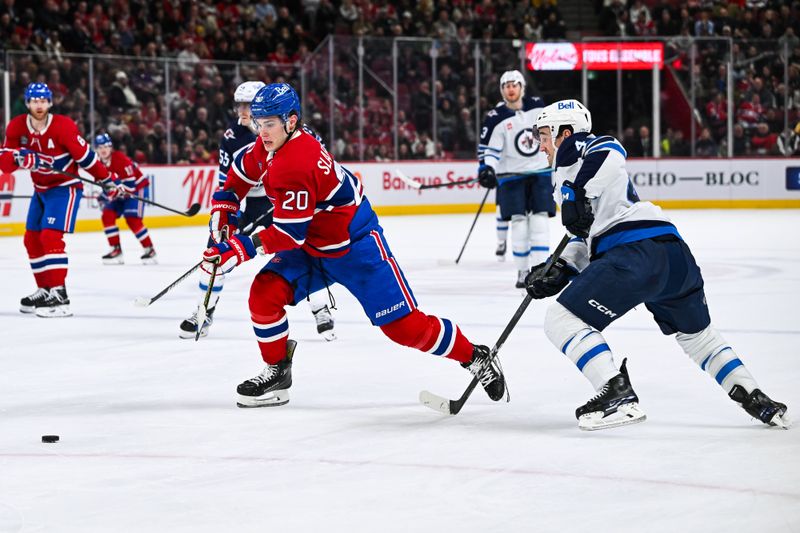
(625, 252)
(240, 135)
(324, 231)
(118, 202)
(41, 141)
(508, 156)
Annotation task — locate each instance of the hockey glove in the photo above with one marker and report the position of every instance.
(228, 254)
(541, 286)
(28, 159)
(224, 214)
(576, 210)
(487, 177)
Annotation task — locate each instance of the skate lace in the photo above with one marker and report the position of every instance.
(40, 294)
(322, 315)
(483, 372)
(267, 374)
(600, 394)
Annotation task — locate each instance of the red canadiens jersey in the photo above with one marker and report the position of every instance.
(127, 171)
(315, 198)
(60, 143)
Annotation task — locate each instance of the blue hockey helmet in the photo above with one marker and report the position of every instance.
(38, 90)
(276, 100)
(102, 140)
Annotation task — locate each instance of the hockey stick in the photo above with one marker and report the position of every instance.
(141, 301)
(472, 227)
(202, 311)
(192, 211)
(421, 187)
(452, 407)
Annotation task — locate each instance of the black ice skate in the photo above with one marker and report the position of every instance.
(29, 303)
(615, 405)
(56, 304)
(271, 387)
(324, 323)
(149, 256)
(500, 252)
(189, 326)
(492, 379)
(521, 275)
(760, 406)
(114, 256)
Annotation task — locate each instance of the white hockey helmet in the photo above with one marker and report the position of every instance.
(510, 76)
(565, 113)
(246, 91)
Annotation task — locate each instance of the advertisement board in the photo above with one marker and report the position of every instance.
(672, 183)
(594, 56)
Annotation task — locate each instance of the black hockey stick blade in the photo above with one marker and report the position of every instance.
(453, 407)
(193, 210)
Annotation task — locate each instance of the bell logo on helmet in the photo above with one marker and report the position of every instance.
(566, 105)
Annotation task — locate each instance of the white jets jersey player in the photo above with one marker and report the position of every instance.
(507, 143)
(619, 215)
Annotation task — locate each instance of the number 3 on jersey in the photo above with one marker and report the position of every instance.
(295, 201)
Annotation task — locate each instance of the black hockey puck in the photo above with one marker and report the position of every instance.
(49, 438)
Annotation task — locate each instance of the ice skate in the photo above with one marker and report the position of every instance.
(56, 305)
(615, 405)
(149, 256)
(29, 303)
(271, 387)
(114, 256)
(324, 323)
(188, 327)
(500, 252)
(492, 378)
(761, 407)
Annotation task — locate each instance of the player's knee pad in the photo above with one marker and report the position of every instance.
(519, 234)
(52, 241)
(562, 327)
(269, 294)
(109, 217)
(413, 330)
(538, 226)
(134, 223)
(33, 243)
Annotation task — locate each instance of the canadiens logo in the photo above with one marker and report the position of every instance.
(526, 143)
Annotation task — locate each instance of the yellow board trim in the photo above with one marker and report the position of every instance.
(9, 229)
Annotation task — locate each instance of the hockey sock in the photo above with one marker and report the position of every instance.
(502, 227)
(33, 245)
(54, 260)
(138, 229)
(269, 294)
(519, 241)
(709, 350)
(584, 345)
(219, 282)
(431, 334)
(317, 300)
(109, 218)
(539, 237)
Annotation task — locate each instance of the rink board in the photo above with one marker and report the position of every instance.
(673, 183)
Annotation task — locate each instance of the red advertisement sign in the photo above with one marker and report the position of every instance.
(595, 56)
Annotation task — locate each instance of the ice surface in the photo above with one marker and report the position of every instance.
(151, 439)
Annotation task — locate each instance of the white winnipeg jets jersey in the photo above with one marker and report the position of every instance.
(507, 143)
(598, 165)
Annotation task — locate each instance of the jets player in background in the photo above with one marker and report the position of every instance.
(117, 202)
(324, 232)
(40, 141)
(507, 155)
(239, 135)
(624, 252)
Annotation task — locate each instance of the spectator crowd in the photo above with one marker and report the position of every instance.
(162, 73)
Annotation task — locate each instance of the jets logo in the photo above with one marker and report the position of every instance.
(526, 144)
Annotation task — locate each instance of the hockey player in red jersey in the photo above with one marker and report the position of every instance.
(324, 231)
(40, 142)
(118, 202)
